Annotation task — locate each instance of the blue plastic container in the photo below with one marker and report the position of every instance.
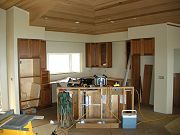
(129, 119)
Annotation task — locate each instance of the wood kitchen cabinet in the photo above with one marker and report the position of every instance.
(143, 46)
(29, 48)
(99, 54)
(24, 48)
(148, 44)
(136, 46)
(32, 70)
(43, 54)
(92, 54)
(46, 92)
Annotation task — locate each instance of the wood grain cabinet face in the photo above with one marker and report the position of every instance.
(46, 92)
(46, 96)
(32, 58)
(106, 54)
(148, 44)
(24, 48)
(99, 54)
(34, 46)
(43, 54)
(143, 46)
(136, 46)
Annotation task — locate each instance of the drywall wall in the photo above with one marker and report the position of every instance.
(117, 36)
(176, 60)
(173, 40)
(68, 37)
(166, 40)
(17, 27)
(148, 60)
(3, 61)
(159, 32)
(118, 65)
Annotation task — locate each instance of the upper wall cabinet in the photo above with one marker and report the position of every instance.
(32, 48)
(99, 54)
(143, 46)
(29, 48)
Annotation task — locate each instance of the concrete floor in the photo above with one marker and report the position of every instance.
(158, 127)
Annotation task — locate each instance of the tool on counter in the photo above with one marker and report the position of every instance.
(12, 124)
(116, 84)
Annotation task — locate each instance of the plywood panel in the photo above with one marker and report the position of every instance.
(136, 75)
(147, 84)
(176, 90)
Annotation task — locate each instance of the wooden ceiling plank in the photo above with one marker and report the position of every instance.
(63, 23)
(6, 4)
(26, 4)
(40, 9)
(140, 12)
(145, 20)
(114, 3)
(81, 4)
(67, 20)
(62, 15)
(131, 6)
(72, 9)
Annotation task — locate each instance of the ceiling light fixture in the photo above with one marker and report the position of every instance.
(112, 21)
(77, 22)
(134, 18)
(45, 18)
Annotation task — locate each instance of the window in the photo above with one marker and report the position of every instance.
(64, 62)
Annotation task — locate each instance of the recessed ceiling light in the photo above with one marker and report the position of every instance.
(77, 22)
(45, 18)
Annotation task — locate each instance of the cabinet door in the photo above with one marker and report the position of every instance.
(23, 48)
(136, 46)
(45, 99)
(35, 47)
(106, 54)
(99, 54)
(92, 55)
(45, 78)
(88, 54)
(43, 54)
(148, 44)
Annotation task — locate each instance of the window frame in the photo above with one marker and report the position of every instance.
(70, 63)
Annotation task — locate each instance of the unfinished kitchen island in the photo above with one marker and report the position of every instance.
(97, 107)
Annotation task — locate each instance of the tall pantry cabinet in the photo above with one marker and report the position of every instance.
(34, 82)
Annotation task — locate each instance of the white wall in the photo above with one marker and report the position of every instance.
(117, 36)
(68, 37)
(17, 27)
(148, 60)
(173, 42)
(159, 32)
(177, 61)
(166, 39)
(3, 61)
